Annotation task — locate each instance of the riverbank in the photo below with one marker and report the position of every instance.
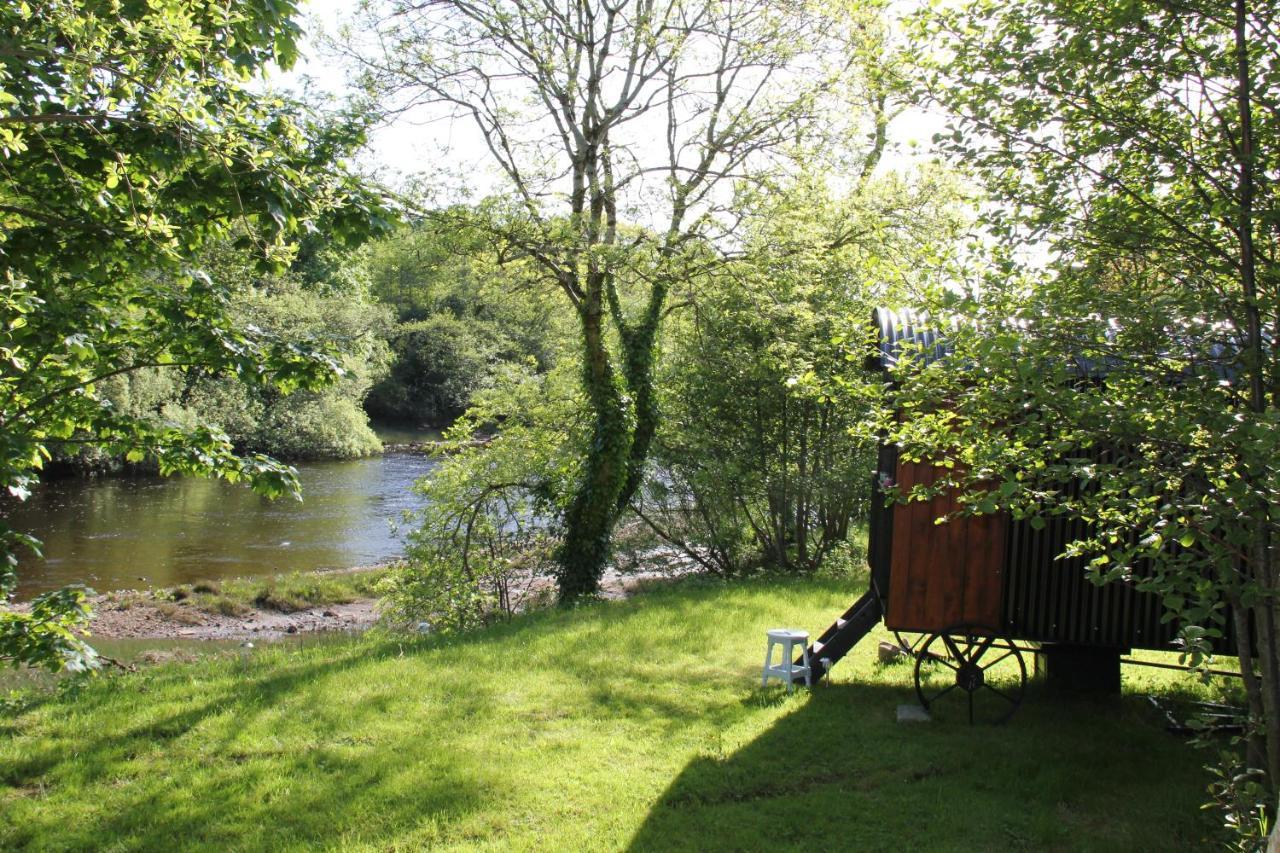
(133, 617)
(273, 607)
(264, 608)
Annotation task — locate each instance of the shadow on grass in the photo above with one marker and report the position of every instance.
(251, 797)
(253, 691)
(840, 773)
(188, 756)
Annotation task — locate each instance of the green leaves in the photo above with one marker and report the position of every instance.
(50, 636)
(133, 135)
(1116, 315)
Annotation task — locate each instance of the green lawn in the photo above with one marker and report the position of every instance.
(623, 725)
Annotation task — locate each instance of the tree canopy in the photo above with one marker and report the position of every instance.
(1117, 360)
(132, 134)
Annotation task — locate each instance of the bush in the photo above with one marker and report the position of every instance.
(482, 549)
(758, 462)
(763, 459)
(316, 426)
(438, 364)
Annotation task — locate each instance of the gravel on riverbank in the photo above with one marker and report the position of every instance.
(134, 619)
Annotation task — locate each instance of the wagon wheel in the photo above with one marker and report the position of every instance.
(969, 654)
(909, 643)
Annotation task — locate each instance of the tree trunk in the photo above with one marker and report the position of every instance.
(1261, 570)
(804, 489)
(593, 510)
(1255, 742)
(639, 344)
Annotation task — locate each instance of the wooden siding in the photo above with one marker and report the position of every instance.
(943, 574)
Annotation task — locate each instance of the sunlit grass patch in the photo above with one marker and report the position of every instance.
(236, 597)
(635, 724)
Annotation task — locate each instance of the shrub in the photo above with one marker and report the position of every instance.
(439, 363)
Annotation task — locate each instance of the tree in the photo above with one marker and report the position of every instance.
(1137, 143)
(761, 457)
(462, 316)
(132, 134)
(621, 130)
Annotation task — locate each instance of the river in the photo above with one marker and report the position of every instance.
(134, 532)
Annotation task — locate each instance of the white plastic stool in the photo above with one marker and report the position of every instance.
(788, 639)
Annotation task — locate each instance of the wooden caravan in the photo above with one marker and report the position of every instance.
(969, 598)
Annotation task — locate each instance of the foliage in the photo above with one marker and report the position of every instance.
(1129, 377)
(759, 455)
(440, 362)
(306, 424)
(325, 423)
(461, 317)
(1239, 792)
(568, 99)
(131, 134)
(481, 547)
(636, 724)
(49, 632)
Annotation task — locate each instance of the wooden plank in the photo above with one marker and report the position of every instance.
(943, 578)
(943, 574)
(905, 584)
(985, 571)
(923, 558)
(899, 555)
(959, 535)
(968, 537)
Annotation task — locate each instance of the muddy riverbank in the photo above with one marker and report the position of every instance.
(140, 619)
(173, 614)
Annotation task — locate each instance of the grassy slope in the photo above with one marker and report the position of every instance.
(636, 724)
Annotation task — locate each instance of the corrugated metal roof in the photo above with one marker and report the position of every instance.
(907, 332)
(910, 333)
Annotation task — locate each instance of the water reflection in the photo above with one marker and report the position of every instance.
(124, 533)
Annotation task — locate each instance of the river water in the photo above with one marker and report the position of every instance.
(134, 532)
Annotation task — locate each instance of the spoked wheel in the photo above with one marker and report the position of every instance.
(909, 643)
(975, 666)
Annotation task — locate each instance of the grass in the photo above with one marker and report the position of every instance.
(634, 725)
(294, 592)
(288, 593)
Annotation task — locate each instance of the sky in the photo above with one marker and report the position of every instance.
(407, 147)
(453, 153)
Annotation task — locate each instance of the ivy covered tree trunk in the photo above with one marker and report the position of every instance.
(622, 433)
(594, 509)
(639, 344)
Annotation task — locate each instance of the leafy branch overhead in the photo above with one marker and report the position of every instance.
(132, 135)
